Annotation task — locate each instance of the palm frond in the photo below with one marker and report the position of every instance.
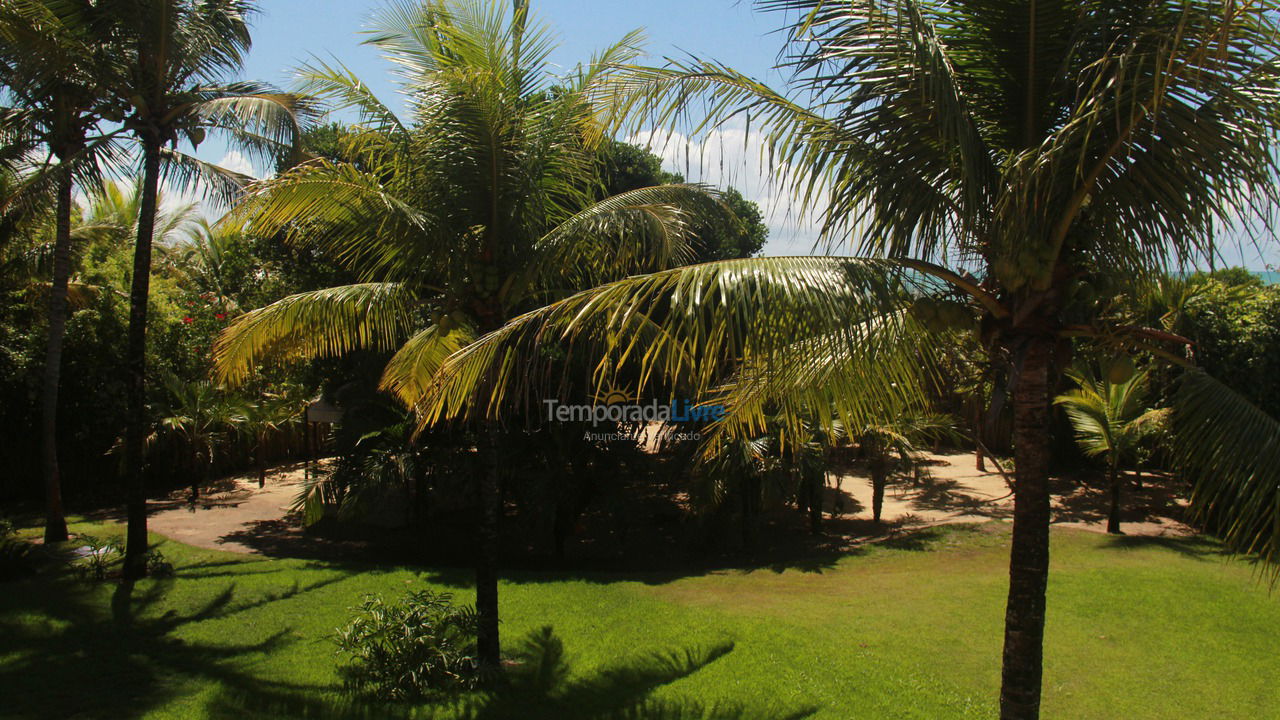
(346, 211)
(1230, 451)
(343, 90)
(321, 323)
(189, 174)
(638, 231)
(257, 119)
(828, 384)
(685, 328)
(418, 361)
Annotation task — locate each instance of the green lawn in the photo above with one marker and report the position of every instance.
(1138, 628)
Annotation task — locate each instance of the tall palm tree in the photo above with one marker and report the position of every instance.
(51, 55)
(176, 60)
(1111, 419)
(485, 204)
(1041, 145)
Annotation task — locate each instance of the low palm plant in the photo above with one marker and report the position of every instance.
(263, 420)
(898, 440)
(199, 422)
(1112, 419)
(418, 647)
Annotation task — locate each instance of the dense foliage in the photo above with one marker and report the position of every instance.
(417, 647)
(1234, 321)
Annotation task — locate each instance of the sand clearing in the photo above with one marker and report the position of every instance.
(235, 515)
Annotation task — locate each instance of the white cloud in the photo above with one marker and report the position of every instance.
(236, 161)
(232, 160)
(729, 156)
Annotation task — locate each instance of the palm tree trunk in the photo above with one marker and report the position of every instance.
(878, 481)
(1029, 555)
(816, 485)
(977, 436)
(750, 511)
(1113, 517)
(55, 522)
(488, 644)
(136, 541)
(260, 454)
(878, 465)
(202, 472)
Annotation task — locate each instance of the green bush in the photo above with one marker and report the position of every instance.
(158, 566)
(17, 559)
(418, 647)
(98, 558)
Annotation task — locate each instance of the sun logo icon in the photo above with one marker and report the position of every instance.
(613, 396)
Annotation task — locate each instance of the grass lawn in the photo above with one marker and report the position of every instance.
(1138, 628)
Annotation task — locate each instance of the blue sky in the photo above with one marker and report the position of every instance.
(288, 32)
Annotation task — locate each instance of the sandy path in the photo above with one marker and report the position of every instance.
(228, 511)
(239, 517)
(951, 489)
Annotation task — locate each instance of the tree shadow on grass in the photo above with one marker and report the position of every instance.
(539, 685)
(1198, 547)
(72, 652)
(820, 557)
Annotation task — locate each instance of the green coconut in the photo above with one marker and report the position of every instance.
(925, 310)
(954, 316)
(1120, 370)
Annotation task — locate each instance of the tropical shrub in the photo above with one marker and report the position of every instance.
(421, 646)
(98, 556)
(1236, 328)
(17, 559)
(158, 566)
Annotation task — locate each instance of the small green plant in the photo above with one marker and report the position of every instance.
(7, 529)
(421, 646)
(96, 556)
(158, 566)
(17, 559)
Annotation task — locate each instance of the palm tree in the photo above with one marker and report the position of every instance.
(900, 436)
(176, 58)
(1111, 420)
(486, 204)
(206, 260)
(112, 217)
(1044, 145)
(51, 55)
(263, 419)
(199, 422)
